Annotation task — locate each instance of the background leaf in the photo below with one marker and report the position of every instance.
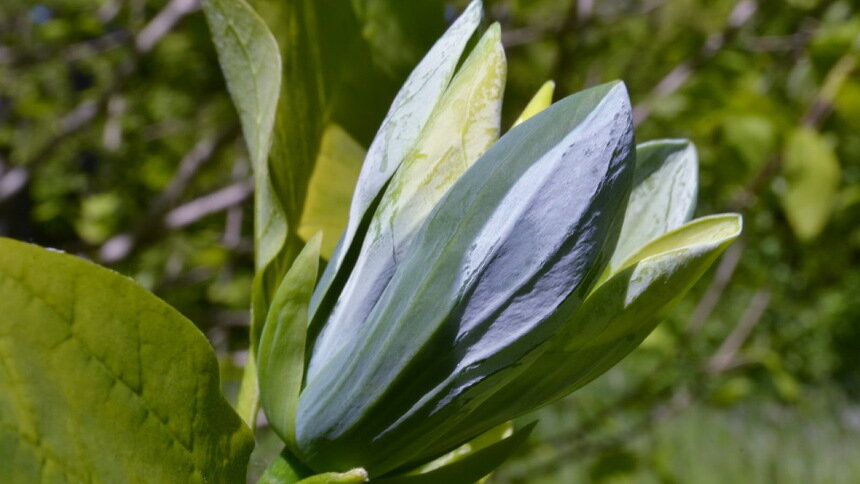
(541, 100)
(617, 315)
(101, 381)
(330, 187)
(812, 177)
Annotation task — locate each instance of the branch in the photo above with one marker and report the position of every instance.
(163, 23)
(752, 315)
(677, 77)
(120, 246)
(217, 201)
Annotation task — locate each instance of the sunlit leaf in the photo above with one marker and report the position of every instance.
(665, 184)
(100, 381)
(812, 177)
(250, 59)
(618, 315)
(281, 360)
(398, 133)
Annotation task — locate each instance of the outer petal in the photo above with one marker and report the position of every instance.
(397, 136)
(521, 232)
(614, 319)
(663, 198)
(463, 126)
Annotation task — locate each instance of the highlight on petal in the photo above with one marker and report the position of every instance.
(461, 128)
(524, 230)
(614, 319)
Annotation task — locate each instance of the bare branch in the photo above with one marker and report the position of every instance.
(725, 355)
(677, 77)
(712, 296)
(220, 200)
(163, 22)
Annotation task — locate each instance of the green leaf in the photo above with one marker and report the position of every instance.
(353, 476)
(486, 439)
(527, 226)
(330, 188)
(663, 196)
(251, 62)
(250, 59)
(282, 346)
(618, 315)
(471, 467)
(812, 176)
(398, 32)
(464, 124)
(286, 469)
(398, 134)
(100, 381)
(541, 100)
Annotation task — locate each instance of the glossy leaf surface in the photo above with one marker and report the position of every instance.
(523, 230)
(100, 381)
(464, 124)
(663, 198)
(812, 178)
(618, 315)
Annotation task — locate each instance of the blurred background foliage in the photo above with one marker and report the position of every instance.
(118, 142)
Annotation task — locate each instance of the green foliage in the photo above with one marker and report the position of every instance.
(812, 178)
(90, 362)
(744, 89)
(282, 344)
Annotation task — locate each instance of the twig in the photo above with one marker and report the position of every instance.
(677, 77)
(163, 22)
(708, 302)
(727, 352)
(120, 246)
(215, 202)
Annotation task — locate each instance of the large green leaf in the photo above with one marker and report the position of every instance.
(663, 198)
(250, 59)
(397, 31)
(100, 381)
(397, 136)
(617, 316)
(464, 124)
(527, 226)
(251, 62)
(812, 176)
(281, 360)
